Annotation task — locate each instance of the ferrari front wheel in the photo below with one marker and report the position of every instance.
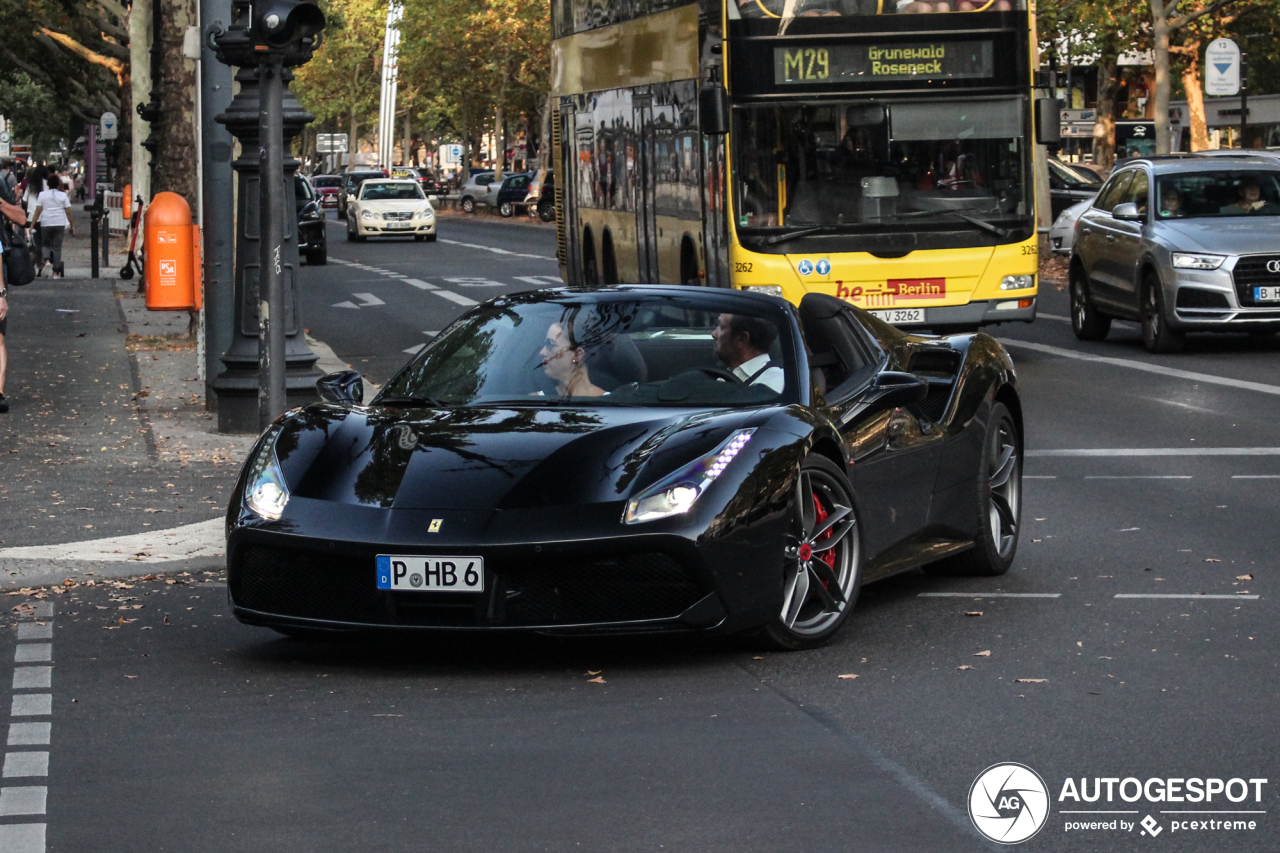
(822, 559)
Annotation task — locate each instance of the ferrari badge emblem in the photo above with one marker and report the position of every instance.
(435, 525)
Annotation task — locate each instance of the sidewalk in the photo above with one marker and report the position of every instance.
(110, 466)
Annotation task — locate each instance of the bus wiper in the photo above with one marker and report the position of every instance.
(981, 223)
(961, 213)
(792, 235)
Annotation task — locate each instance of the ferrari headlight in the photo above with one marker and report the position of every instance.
(366, 214)
(1185, 261)
(676, 494)
(265, 491)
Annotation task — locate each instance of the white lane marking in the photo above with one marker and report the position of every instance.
(1255, 476)
(1139, 477)
(33, 653)
(431, 333)
(347, 304)
(29, 799)
(22, 838)
(540, 280)
(1039, 476)
(413, 350)
(1057, 317)
(29, 734)
(1173, 372)
(31, 705)
(26, 764)
(368, 300)
(1160, 451)
(202, 539)
(472, 281)
(31, 677)
(1180, 595)
(388, 272)
(498, 251)
(990, 595)
(456, 297)
(419, 283)
(35, 631)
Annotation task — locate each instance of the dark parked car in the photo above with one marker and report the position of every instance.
(430, 184)
(1180, 245)
(312, 244)
(351, 182)
(1070, 185)
(327, 187)
(633, 459)
(515, 191)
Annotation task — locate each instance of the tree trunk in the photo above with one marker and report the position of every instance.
(500, 124)
(544, 135)
(1160, 58)
(174, 163)
(406, 156)
(1104, 127)
(1195, 98)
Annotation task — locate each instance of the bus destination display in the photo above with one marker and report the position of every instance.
(869, 63)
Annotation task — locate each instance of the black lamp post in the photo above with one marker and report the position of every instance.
(269, 366)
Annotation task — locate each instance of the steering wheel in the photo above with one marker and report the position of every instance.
(720, 373)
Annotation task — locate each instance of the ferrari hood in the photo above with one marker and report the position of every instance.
(484, 458)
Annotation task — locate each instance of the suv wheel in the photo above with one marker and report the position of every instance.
(1157, 337)
(1087, 321)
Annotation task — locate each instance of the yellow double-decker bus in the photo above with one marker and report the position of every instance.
(875, 150)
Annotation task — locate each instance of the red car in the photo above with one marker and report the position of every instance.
(327, 187)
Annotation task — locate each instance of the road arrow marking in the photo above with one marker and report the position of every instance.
(413, 350)
(368, 300)
(344, 305)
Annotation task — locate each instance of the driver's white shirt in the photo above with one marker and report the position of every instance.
(772, 377)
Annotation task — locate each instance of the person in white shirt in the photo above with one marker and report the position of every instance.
(53, 216)
(742, 343)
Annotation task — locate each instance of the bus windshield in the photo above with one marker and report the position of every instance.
(895, 170)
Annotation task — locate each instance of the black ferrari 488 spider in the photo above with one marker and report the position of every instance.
(633, 459)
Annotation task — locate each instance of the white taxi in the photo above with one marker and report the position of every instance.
(390, 208)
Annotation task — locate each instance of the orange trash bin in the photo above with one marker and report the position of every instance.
(168, 244)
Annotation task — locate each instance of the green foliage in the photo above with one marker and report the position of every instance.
(37, 114)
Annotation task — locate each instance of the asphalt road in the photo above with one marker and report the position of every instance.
(184, 730)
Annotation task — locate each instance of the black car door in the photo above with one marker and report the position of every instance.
(893, 453)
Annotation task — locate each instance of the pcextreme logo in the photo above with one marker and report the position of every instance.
(1008, 803)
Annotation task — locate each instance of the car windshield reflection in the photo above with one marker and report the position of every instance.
(567, 350)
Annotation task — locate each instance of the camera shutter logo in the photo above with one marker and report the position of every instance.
(1273, 266)
(1008, 803)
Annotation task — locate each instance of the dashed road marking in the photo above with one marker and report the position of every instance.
(1183, 595)
(990, 595)
(413, 350)
(498, 251)
(1255, 476)
(455, 297)
(1138, 477)
(473, 281)
(26, 800)
(1158, 451)
(31, 705)
(419, 283)
(26, 764)
(1173, 372)
(34, 653)
(23, 800)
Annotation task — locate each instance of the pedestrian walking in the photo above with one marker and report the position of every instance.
(53, 216)
(7, 174)
(30, 200)
(9, 210)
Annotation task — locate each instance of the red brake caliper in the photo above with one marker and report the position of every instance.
(830, 556)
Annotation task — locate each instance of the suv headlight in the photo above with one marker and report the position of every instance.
(677, 493)
(366, 214)
(265, 492)
(1188, 261)
(1017, 282)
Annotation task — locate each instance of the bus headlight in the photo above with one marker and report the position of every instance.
(1017, 282)
(767, 289)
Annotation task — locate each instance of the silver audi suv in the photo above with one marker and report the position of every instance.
(1180, 244)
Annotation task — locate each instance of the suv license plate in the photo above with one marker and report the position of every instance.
(431, 574)
(1266, 294)
(899, 316)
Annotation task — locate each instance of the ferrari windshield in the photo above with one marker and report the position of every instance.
(882, 175)
(618, 349)
(387, 191)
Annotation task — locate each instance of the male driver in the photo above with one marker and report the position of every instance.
(742, 343)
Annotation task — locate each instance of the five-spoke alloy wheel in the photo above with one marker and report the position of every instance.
(822, 559)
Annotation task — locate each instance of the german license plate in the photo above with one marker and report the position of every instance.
(431, 574)
(898, 316)
(399, 225)
(1266, 294)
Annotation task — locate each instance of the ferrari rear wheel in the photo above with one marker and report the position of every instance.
(822, 559)
(999, 503)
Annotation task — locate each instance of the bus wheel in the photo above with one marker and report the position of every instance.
(590, 270)
(610, 260)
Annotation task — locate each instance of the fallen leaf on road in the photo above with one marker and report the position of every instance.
(599, 679)
(985, 654)
(1211, 560)
(131, 676)
(1080, 644)
(166, 620)
(847, 675)
(964, 666)
(1244, 577)
(973, 613)
(757, 657)
(1031, 680)
(589, 672)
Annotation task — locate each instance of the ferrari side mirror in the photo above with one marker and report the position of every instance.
(345, 388)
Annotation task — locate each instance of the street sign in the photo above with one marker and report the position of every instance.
(1080, 115)
(5, 144)
(331, 143)
(110, 125)
(1222, 68)
(451, 153)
